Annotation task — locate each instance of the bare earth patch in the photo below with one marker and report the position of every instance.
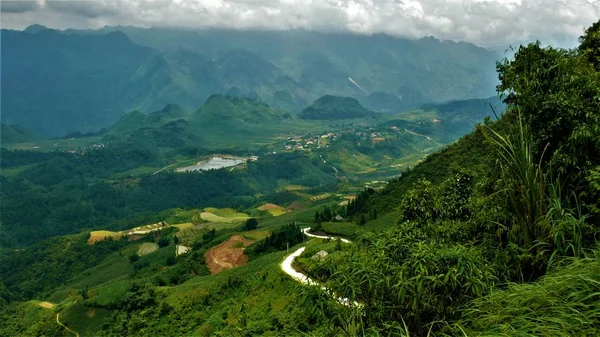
(46, 305)
(227, 255)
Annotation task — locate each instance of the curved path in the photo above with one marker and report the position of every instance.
(66, 327)
(287, 268)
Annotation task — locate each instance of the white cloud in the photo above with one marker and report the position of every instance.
(483, 22)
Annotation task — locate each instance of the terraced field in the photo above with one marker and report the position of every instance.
(147, 248)
(223, 215)
(275, 210)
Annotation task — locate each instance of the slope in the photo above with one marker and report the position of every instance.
(334, 107)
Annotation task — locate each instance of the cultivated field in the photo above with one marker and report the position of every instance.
(223, 215)
(147, 248)
(275, 210)
(96, 236)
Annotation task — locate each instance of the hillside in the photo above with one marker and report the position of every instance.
(14, 134)
(334, 107)
(312, 63)
(118, 75)
(484, 237)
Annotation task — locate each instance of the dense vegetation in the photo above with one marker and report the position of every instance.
(71, 192)
(495, 235)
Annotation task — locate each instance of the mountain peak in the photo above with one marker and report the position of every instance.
(335, 107)
(35, 28)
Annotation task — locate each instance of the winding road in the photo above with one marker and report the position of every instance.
(287, 268)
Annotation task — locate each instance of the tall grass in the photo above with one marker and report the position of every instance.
(542, 219)
(524, 181)
(563, 303)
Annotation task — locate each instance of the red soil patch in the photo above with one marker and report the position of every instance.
(227, 255)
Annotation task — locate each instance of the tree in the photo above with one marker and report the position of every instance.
(590, 45)
(163, 242)
(251, 224)
(133, 258)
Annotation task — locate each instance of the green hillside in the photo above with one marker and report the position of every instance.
(14, 134)
(491, 234)
(333, 107)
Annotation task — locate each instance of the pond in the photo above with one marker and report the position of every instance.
(214, 163)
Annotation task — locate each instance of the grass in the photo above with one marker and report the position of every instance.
(291, 188)
(562, 303)
(208, 216)
(274, 210)
(85, 320)
(256, 235)
(322, 196)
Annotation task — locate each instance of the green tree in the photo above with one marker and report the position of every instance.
(251, 224)
(162, 242)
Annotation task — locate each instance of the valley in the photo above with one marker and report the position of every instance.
(295, 182)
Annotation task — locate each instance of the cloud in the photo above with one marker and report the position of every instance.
(483, 22)
(86, 9)
(18, 6)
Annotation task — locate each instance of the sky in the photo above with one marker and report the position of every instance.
(487, 23)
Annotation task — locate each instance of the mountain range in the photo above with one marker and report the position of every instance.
(58, 82)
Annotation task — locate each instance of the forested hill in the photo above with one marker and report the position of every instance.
(333, 107)
(97, 76)
(497, 233)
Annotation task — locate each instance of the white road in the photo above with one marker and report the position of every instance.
(287, 268)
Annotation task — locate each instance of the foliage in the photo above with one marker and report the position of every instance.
(250, 224)
(563, 303)
(286, 236)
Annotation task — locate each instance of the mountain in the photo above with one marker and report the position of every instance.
(10, 134)
(55, 83)
(220, 109)
(383, 102)
(334, 107)
(127, 68)
(222, 119)
(448, 121)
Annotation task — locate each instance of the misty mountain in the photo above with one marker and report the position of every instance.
(57, 82)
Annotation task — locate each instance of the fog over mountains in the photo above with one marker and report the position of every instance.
(56, 82)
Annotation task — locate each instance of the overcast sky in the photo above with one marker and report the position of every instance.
(487, 23)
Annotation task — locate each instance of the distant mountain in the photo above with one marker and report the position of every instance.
(58, 82)
(383, 102)
(314, 64)
(10, 134)
(473, 109)
(55, 83)
(335, 107)
(446, 122)
(221, 109)
(221, 118)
